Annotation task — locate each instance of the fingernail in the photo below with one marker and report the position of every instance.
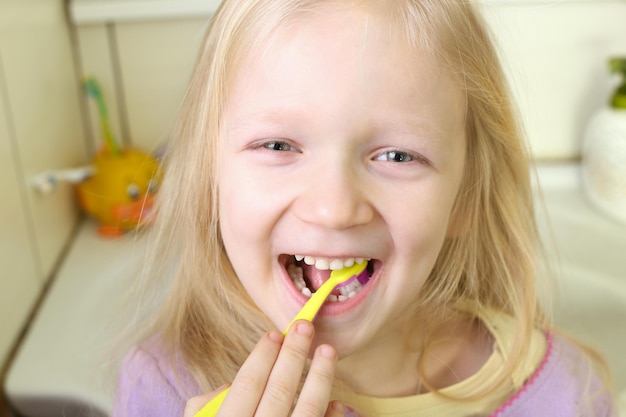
(327, 351)
(275, 336)
(304, 328)
(336, 406)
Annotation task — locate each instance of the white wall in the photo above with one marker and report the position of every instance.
(40, 129)
(556, 52)
(143, 68)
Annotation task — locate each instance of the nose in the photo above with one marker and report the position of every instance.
(333, 199)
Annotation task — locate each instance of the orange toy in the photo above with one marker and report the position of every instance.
(120, 193)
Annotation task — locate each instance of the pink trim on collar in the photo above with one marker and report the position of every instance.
(532, 379)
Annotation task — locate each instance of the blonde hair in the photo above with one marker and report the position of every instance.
(490, 260)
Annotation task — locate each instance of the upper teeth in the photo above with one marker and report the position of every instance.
(326, 263)
(346, 290)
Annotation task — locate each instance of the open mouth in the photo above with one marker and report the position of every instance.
(308, 273)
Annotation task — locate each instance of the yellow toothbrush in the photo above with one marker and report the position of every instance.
(308, 312)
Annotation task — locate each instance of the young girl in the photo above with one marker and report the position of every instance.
(318, 132)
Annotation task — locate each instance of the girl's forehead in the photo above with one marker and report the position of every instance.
(346, 63)
(357, 40)
(370, 24)
(383, 21)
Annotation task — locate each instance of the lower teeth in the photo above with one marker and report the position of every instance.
(346, 291)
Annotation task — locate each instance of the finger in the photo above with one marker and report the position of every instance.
(195, 404)
(285, 378)
(315, 396)
(335, 409)
(249, 384)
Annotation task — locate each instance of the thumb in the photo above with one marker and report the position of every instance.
(195, 404)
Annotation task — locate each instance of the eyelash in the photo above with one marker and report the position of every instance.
(401, 157)
(393, 155)
(276, 146)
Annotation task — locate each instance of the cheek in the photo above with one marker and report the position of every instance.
(419, 244)
(238, 232)
(248, 212)
(419, 227)
(233, 214)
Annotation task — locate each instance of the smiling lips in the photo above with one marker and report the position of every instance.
(309, 273)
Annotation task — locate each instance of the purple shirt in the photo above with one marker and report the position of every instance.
(563, 385)
(150, 385)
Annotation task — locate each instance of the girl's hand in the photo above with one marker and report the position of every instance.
(267, 383)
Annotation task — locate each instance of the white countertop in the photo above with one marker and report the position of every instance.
(65, 361)
(105, 11)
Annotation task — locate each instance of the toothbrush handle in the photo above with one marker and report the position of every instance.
(308, 313)
(338, 277)
(212, 407)
(310, 309)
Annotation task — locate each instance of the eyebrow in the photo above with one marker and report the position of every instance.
(277, 116)
(414, 126)
(272, 117)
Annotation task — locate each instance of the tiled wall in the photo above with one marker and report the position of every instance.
(143, 68)
(556, 52)
(40, 129)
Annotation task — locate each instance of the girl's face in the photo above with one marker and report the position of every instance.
(340, 142)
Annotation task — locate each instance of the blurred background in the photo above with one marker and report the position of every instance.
(142, 51)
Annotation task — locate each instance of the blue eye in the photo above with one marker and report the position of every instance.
(395, 156)
(278, 146)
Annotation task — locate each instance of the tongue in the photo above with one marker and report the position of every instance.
(315, 277)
